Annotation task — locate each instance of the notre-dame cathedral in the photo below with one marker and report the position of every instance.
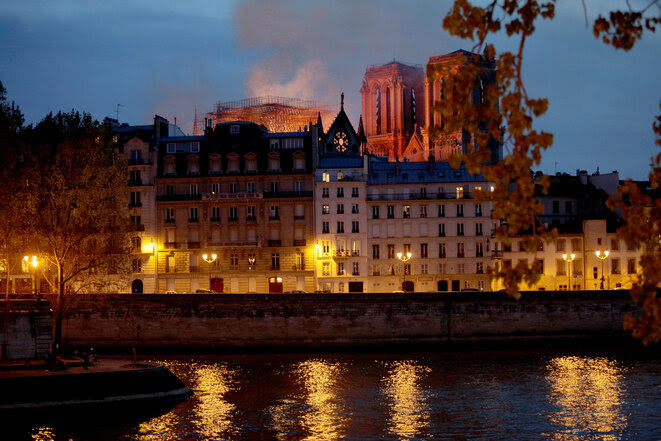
(397, 102)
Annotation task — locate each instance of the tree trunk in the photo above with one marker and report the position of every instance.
(58, 314)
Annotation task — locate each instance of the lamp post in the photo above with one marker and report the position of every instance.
(404, 258)
(209, 259)
(251, 262)
(569, 258)
(602, 255)
(155, 250)
(34, 262)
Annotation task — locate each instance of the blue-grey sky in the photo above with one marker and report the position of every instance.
(170, 57)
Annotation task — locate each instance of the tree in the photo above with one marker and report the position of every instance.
(11, 214)
(507, 113)
(76, 204)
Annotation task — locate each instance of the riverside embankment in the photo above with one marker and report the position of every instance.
(314, 321)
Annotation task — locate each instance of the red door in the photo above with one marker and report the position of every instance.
(217, 284)
(275, 285)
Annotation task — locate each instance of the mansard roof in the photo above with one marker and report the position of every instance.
(385, 172)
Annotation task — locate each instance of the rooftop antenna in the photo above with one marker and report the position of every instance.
(117, 111)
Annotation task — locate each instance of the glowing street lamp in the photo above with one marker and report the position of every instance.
(209, 259)
(569, 258)
(602, 255)
(404, 258)
(34, 262)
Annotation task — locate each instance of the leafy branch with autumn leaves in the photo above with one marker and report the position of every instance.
(503, 111)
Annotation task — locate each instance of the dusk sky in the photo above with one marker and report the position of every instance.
(169, 58)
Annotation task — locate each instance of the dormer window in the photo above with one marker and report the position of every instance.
(340, 176)
(193, 165)
(214, 164)
(170, 166)
(299, 161)
(274, 162)
(251, 163)
(233, 163)
(235, 129)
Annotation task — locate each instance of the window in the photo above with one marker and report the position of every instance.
(376, 270)
(340, 227)
(137, 265)
(300, 261)
(479, 249)
(441, 250)
(325, 269)
(325, 176)
(460, 249)
(479, 268)
(560, 246)
(615, 244)
(250, 213)
(340, 208)
(442, 268)
(193, 215)
(251, 163)
(423, 211)
(354, 192)
(460, 229)
(375, 252)
(324, 193)
(424, 268)
(299, 162)
(234, 260)
(391, 251)
(568, 207)
(560, 267)
(478, 229)
(407, 269)
(355, 226)
(355, 247)
(441, 211)
(576, 245)
(233, 187)
(250, 187)
(406, 211)
(135, 177)
(192, 190)
(325, 209)
(215, 214)
(391, 270)
(299, 187)
(391, 211)
(356, 269)
(423, 250)
(631, 266)
(273, 187)
(325, 247)
(375, 212)
(136, 243)
(556, 207)
(615, 266)
(460, 210)
(273, 213)
(274, 162)
(441, 230)
(340, 192)
(135, 199)
(460, 268)
(215, 188)
(275, 261)
(354, 209)
(169, 215)
(478, 210)
(539, 266)
(234, 129)
(234, 213)
(325, 227)
(169, 190)
(460, 192)
(340, 268)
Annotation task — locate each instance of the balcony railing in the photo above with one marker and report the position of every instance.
(224, 196)
(138, 227)
(192, 245)
(178, 197)
(287, 194)
(170, 245)
(274, 243)
(417, 196)
(299, 242)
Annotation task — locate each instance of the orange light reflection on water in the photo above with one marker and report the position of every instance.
(323, 419)
(409, 407)
(587, 392)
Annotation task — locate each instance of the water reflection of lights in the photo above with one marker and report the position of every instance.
(212, 413)
(587, 392)
(323, 421)
(410, 410)
(43, 433)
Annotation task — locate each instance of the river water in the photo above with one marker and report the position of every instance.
(458, 395)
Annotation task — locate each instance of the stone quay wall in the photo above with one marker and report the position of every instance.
(315, 321)
(25, 329)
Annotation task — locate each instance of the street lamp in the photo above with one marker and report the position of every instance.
(251, 262)
(569, 258)
(209, 259)
(34, 264)
(602, 255)
(404, 258)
